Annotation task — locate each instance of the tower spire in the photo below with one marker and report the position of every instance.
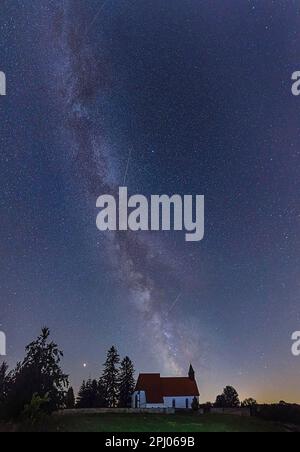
(191, 373)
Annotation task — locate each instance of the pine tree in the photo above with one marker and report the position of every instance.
(81, 398)
(126, 383)
(70, 399)
(40, 373)
(4, 387)
(3, 382)
(91, 395)
(110, 378)
(102, 399)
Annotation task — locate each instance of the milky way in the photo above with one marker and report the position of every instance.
(85, 78)
(168, 96)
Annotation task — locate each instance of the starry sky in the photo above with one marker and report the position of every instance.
(168, 96)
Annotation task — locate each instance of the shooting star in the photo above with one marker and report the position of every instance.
(174, 304)
(88, 28)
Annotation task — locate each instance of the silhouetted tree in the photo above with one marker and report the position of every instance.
(81, 397)
(4, 387)
(110, 378)
(206, 407)
(3, 382)
(70, 399)
(87, 395)
(39, 374)
(90, 395)
(102, 397)
(220, 401)
(229, 398)
(95, 403)
(195, 404)
(249, 403)
(126, 383)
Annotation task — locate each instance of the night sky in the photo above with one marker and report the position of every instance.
(168, 96)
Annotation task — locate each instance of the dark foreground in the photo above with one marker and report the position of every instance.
(181, 423)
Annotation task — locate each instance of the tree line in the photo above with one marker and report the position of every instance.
(39, 384)
(229, 399)
(114, 388)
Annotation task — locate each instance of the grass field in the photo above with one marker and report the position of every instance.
(156, 423)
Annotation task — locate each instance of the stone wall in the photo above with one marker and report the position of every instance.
(244, 412)
(116, 411)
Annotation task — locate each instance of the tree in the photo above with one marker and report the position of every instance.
(110, 378)
(102, 396)
(195, 404)
(87, 395)
(4, 387)
(70, 399)
(249, 403)
(39, 374)
(90, 395)
(220, 401)
(206, 407)
(81, 398)
(97, 397)
(126, 383)
(34, 413)
(4, 381)
(229, 398)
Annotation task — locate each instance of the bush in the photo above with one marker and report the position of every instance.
(206, 407)
(195, 404)
(34, 412)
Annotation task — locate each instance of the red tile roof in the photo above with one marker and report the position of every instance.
(151, 384)
(157, 387)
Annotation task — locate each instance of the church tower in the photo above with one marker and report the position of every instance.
(191, 373)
